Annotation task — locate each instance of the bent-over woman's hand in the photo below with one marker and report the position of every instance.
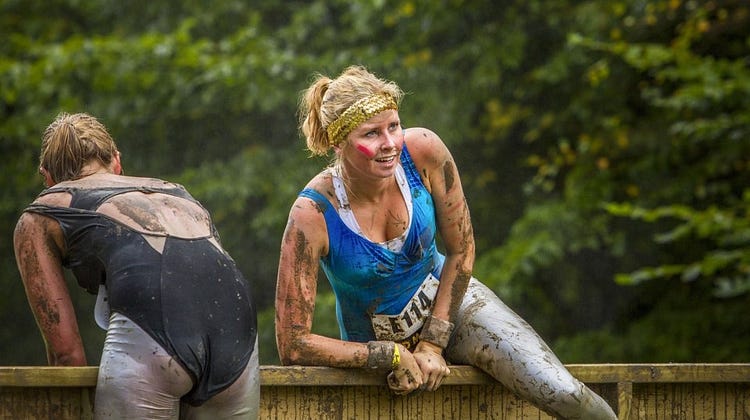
(432, 364)
(407, 376)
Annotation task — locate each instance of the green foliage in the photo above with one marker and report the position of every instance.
(657, 122)
(668, 333)
(601, 144)
(727, 260)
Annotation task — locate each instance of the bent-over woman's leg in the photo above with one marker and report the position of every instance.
(137, 378)
(492, 337)
(240, 401)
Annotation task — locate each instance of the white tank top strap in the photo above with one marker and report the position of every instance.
(347, 215)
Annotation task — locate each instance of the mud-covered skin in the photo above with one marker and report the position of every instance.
(441, 178)
(38, 246)
(295, 295)
(305, 242)
(492, 337)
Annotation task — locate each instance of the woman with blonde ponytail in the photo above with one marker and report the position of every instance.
(370, 221)
(181, 328)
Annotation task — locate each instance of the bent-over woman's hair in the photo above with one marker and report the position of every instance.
(70, 142)
(326, 99)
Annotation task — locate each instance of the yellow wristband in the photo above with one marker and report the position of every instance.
(396, 358)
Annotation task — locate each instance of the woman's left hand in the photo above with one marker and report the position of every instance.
(432, 364)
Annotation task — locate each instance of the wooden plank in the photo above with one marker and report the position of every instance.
(467, 375)
(48, 376)
(44, 376)
(318, 375)
(624, 400)
(46, 403)
(648, 391)
(667, 372)
(697, 401)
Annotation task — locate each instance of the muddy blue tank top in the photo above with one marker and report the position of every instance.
(368, 279)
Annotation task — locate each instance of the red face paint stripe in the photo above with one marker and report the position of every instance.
(365, 151)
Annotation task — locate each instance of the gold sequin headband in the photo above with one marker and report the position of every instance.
(356, 114)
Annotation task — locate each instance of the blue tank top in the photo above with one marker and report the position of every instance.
(367, 278)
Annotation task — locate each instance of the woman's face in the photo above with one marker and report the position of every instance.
(374, 147)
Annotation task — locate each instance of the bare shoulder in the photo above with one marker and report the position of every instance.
(421, 137)
(33, 229)
(322, 183)
(425, 147)
(26, 226)
(309, 211)
(428, 151)
(306, 225)
(57, 199)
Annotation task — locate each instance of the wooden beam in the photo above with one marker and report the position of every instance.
(44, 376)
(48, 376)
(662, 372)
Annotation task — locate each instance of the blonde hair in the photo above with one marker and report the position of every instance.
(70, 142)
(327, 99)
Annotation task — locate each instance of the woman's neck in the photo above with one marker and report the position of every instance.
(93, 168)
(363, 190)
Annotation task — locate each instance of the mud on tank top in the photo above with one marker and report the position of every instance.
(369, 279)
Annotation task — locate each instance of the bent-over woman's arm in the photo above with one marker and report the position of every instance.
(38, 242)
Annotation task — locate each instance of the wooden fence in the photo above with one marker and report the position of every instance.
(635, 391)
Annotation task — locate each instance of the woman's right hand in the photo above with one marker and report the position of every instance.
(407, 377)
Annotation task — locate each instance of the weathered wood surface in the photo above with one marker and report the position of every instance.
(636, 391)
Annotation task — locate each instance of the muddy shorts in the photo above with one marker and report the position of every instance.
(138, 379)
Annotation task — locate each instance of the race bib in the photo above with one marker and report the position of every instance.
(401, 326)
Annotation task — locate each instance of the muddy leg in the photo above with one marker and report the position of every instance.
(492, 337)
(137, 378)
(240, 401)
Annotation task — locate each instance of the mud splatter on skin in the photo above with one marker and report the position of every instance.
(458, 290)
(157, 212)
(398, 222)
(465, 263)
(35, 282)
(410, 377)
(294, 348)
(448, 174)
(141, 212)
(303, 257)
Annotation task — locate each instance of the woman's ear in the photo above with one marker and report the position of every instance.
(339, 148)
(116, 164)
(48, 181)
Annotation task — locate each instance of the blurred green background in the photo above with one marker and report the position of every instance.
(604, 145)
